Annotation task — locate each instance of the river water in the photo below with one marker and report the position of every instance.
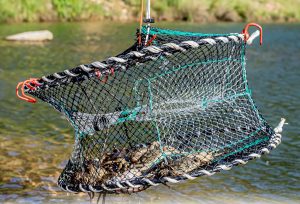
(35, 142)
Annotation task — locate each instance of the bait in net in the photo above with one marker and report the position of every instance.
(174, 107)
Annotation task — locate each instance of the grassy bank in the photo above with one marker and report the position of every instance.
(127, 10)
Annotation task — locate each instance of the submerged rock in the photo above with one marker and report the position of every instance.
(41, 35)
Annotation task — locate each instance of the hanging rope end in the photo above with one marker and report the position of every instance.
(279, 127)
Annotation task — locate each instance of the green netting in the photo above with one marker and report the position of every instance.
(159, 31)
(165, 113)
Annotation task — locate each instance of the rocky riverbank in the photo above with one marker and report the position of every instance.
(171, 10)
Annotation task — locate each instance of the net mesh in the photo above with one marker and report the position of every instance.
(163, 115)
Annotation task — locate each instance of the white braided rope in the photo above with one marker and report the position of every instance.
(252, 37)
(167, 53)
(224, 167)
(171, 180)
(85, 68)
(137, 54)
(39, 83)
(223, 39)
(207, 173)
(108, 189)
(254, 155)
(94, 190)
(265, 150)
(99, 65)
(174, 46)
(82, 189)
(153, 58)
(277, 142)
(63, 188)
(240, 161)
(118, 59)
(71, 191)
(120, 185)
(132, 185)
(233, 37)
(47, 79)
(209, 41)
(278, 129)
(189, 176)
(56, 75)
(242, 36)
(150, 182)
(69, 73)
(192, 44)
(153, 50)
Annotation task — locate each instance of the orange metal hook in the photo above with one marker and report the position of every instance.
(246, 33)
(151, 40)
(112, 73)
(22, 85)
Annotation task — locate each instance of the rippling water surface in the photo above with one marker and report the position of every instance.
(35, 142)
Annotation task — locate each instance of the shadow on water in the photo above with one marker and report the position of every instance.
(36, 142)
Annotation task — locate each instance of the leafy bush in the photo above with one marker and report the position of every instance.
(199, 10)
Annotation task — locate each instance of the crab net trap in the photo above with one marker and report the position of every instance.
(174, 106)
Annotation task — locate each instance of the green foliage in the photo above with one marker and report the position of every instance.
(160, 6)
(25, 10)
(260, 10)
(132, 2)
(75, 9)
(191, 10)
